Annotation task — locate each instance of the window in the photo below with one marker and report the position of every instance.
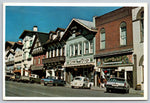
(91, 46)
(39, 60)
(79, 48)
(43, 57)
(52, 53)
(30, 43)
(59, 52)
(76, 49)
(102, 39)
(63, 51)
(86, 47)
(123, 34)
(142, 26)
(71, 50)
(34, 61)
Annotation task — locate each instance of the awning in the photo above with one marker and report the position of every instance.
(36, 68)
(80, 65)
(16, 71)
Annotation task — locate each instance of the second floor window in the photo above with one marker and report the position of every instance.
(79, 48)
(123, 34)
(102, 39)
(34, 61)
(71, 50)
(76, 49)
(39, 60)
(91, 46)
(86, 47)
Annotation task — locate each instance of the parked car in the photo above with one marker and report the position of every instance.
(51, 80)
(117, 84)
(81, 82)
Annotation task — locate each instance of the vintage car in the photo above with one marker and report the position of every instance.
(117, 84)
(52, 81)
(81, 82)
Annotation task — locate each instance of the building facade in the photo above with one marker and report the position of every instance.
(114, 45)
(55, 54)
(38, 53)
(17, 57)
(10, 61)
(27, 40)
(80, 49)
(138, 43)
(8, 46)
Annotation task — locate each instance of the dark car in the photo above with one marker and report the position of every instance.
(117, 84)
(50, 80)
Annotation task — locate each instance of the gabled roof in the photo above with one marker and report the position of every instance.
(42, 37)
(29, 33)
(87, 24)
(90, 26)
(9, 43)
(57, 39)
(10, 51)
(17, 44)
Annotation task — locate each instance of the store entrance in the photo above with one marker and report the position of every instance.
(109, 72)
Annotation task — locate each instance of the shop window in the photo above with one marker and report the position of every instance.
(123, 34)
(79, 48)
(91, 46)
(51, 53)
(102, 39)
(86, 47)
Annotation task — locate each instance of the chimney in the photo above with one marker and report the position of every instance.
(35, 28)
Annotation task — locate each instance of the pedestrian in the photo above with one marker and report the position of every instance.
(99, 82)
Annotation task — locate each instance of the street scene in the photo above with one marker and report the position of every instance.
(61, 52)
(17, 89)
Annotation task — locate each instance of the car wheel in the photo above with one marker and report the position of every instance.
(107, 89)
(56, 84)
(83, 86)
(127, 91)
(72, 86)
(90, 86)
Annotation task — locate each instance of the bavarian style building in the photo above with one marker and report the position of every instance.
(55, 54)
(80, 49)
(38, 53)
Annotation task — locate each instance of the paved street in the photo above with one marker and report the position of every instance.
(36, 90)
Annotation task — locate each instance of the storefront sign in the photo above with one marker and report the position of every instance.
(126, 59)
(80, 61)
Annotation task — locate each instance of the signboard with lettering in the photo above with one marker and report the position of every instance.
(80, 61)
(125, 59)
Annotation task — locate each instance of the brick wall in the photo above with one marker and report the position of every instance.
(112, 31)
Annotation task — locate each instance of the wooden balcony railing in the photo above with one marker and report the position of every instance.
(54, 59)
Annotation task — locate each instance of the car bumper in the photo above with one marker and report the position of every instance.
(117, 87)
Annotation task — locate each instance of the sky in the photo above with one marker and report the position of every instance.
(47, 18)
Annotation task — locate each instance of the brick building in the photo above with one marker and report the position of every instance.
(114, 45)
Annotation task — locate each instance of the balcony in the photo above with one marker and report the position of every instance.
(10, 63)
(54, 59)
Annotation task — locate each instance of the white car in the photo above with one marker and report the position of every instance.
(81, 82)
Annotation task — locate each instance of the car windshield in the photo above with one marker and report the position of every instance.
(116, 80)
(78, 79)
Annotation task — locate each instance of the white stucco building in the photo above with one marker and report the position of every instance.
(138, 43)
(27, 60)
